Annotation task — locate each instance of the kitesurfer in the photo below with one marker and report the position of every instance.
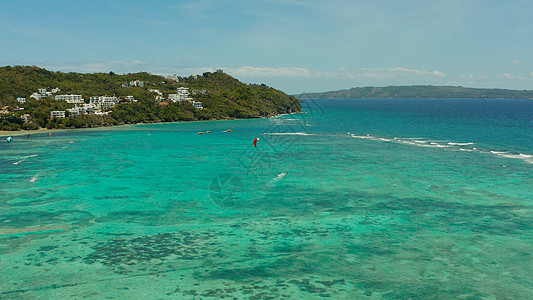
(255, 142)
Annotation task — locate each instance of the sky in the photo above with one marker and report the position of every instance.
(294, 45)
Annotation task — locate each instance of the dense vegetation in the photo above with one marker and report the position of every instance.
(420, 91)
(222, 96)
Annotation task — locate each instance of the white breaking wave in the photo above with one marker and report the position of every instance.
(460, 146)
(288, 133)
(525, 157)
(280, 176)
(25, 158)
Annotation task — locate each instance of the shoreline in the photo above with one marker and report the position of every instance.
(43, 130)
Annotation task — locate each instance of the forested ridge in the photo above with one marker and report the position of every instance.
(420, 91)
(222, 97)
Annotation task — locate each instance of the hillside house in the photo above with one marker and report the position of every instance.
(137, 83)
(57, 114)
(73, 99)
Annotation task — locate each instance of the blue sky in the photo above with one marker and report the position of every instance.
(296, 46)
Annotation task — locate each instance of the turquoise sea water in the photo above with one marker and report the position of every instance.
(383, 199)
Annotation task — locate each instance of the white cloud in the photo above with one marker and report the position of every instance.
(515, 76)
(301, 78)
(516, 62)
(271, 72)
(252, 72)
(466, 76)
(382, 73)
(338, 73)
(118, 66)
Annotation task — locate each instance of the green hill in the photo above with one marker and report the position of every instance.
(222, 96)
(420, 91)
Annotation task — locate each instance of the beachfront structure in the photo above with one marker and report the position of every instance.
(183, 91)
(159, 96)
(197, 104)
(199, 92)
(107, 102)
(89, 108)
(101, 113)
(137, 83)
(130, 99)
(26, 118)
(74, 111)
(40, 94)
(158, 92)
(175, 78)
(21, 100)
(182, 95)
(74, 99)
(174, 97)
(94, 100)
(57, 114)
(43, 93)
(86, 108)
(103, 101)
(36, 96)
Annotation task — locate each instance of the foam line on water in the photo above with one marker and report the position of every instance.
(287, 133)
(25, 158)
(278, 178)
(460, 146)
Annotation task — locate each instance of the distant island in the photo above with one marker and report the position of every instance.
(419, 91)
(33, 98)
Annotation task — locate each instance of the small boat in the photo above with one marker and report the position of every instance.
(208, 132)
(200, 133)
(229, 130)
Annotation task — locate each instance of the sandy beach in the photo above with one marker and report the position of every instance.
(25, 132)
(45, 130)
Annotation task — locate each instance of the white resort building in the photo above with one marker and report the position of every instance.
(74, 99)
(197, 104)
(86, 108)
(57, 114)
(137, 83)
(130, 99)
(184, 95)
(43, 93)
(103, 102)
